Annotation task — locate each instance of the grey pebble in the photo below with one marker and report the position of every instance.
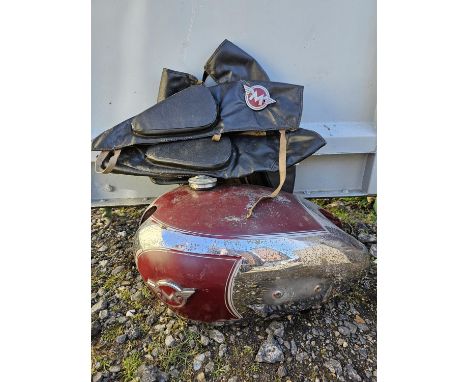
(334, 366)
(281, 372)
(121, 339)
(301, 356)
(217, 336)
(363, 327)
(352, 328)
(222, 350)
(134, 332)
(367, 238)
(276, 328)
(114, 369)
(103, 263)
(352, 374)
(101, 304)
(117, 269)
(373, 250)
(209, 367)
(198, 361)
(122, 319)
(169, 341)
(136, 296)
(344, 330)
(151, 374)
(95, 329)
(293, 347)
(204, 340)
(103, 314)
(150, 319)
(269, 351)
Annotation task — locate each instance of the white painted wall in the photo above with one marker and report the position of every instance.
(329, 46)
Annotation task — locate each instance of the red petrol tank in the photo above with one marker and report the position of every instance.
(207, 261)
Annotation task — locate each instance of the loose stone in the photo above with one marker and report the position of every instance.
(282, 372)
(114, 369)
(121, 339)
(101, 304)
(217, 336)
(118, 269)
(198, 361)
(209, 367)
(344, 330)
(169, 341)
(352, 374)
(334, 366)
(204, 340)
(293, 347)
(103, 314)
(270, 351)
(276, 328)
(222, 350)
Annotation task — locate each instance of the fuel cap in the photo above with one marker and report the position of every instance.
(202, 182)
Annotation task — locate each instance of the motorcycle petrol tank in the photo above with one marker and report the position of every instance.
(200, 254)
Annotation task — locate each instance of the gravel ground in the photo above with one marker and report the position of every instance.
(134, 337)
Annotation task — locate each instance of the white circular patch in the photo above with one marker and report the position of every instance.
(257, 97)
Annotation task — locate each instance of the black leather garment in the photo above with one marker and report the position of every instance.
(171, 141)
(234, 156)
(200, 111)
(227, 63)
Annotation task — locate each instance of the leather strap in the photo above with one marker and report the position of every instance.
(282, 172)
(110, 164)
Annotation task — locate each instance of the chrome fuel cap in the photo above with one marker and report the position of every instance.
(202, 182)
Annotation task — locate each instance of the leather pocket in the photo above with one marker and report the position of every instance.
(198, 154)
(189, 110)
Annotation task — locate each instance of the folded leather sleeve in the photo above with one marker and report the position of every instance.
(227, 63)
(173, 82)
(230, 63)
(237, 157)
(198, 112)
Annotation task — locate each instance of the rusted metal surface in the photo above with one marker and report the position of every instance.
(287, 257)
